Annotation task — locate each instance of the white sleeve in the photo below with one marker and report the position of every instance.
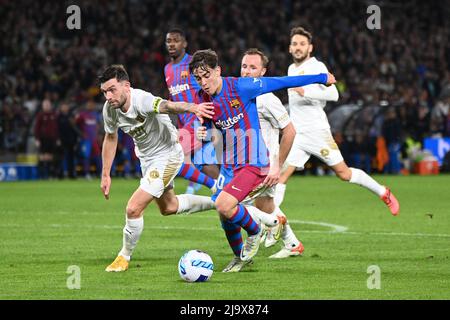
(147, 103)
(278, 116)
(109, 119)
(320, 91)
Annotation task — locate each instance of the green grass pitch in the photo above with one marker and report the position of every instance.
(46, 227)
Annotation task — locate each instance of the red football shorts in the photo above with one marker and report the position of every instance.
(245, 180)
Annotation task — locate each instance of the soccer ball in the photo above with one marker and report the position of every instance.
(195, 266)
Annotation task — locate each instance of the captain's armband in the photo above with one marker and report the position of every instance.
(156, 104)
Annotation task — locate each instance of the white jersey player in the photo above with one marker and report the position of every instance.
(144, 117)
(274, 118)
(313, 130)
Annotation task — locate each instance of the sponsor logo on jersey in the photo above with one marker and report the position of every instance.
(235, 103)
(140, 118)
(174, 90)
(231, 121)
(138, 132)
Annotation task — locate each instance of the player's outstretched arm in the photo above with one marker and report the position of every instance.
(258, 86)
(202, 110)
(108, 154)
(270, 84)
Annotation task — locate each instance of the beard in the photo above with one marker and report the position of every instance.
(120, 103)
(301, 58)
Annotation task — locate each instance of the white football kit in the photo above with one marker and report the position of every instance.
(313, 130)
(272, 118)
(154, 136)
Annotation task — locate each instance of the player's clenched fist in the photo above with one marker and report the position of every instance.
(330, 79)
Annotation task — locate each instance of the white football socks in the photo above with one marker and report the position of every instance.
(268, 219)
(363, 179)
(131, 234)
(287, 235)
(280, 189)
(289, 239)
(190, 203)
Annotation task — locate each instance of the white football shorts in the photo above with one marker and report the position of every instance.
(159, 171)
(318, 143)
(260, 191)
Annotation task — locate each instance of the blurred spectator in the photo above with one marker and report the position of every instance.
(421, 129)
(47, 139)
(439, 118)
(361, 152)
(69, 134)
(392, 134)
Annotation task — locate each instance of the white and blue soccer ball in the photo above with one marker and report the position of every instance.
(195, 266)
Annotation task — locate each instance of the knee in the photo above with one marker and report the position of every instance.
(224, 209)
(133, 211)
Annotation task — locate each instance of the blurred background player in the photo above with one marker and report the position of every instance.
(144, 117)
(125, 163)
(313, 130)
(88, 122)
(200, 157)
(244, 150)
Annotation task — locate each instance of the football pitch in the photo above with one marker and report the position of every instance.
(54, 231)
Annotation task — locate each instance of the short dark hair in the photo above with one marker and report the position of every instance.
(177, 30)
(255, 51)
(115, 71)
(301, 31)
(203, 59)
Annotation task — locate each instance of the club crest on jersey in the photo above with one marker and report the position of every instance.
(184, 74)
(324, 152)
(154, 174)
(235, 103)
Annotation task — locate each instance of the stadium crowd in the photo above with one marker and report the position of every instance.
(403, 68)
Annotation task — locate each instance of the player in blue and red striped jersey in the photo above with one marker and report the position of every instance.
(236, 115)
(183, 87)
(88, 121)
